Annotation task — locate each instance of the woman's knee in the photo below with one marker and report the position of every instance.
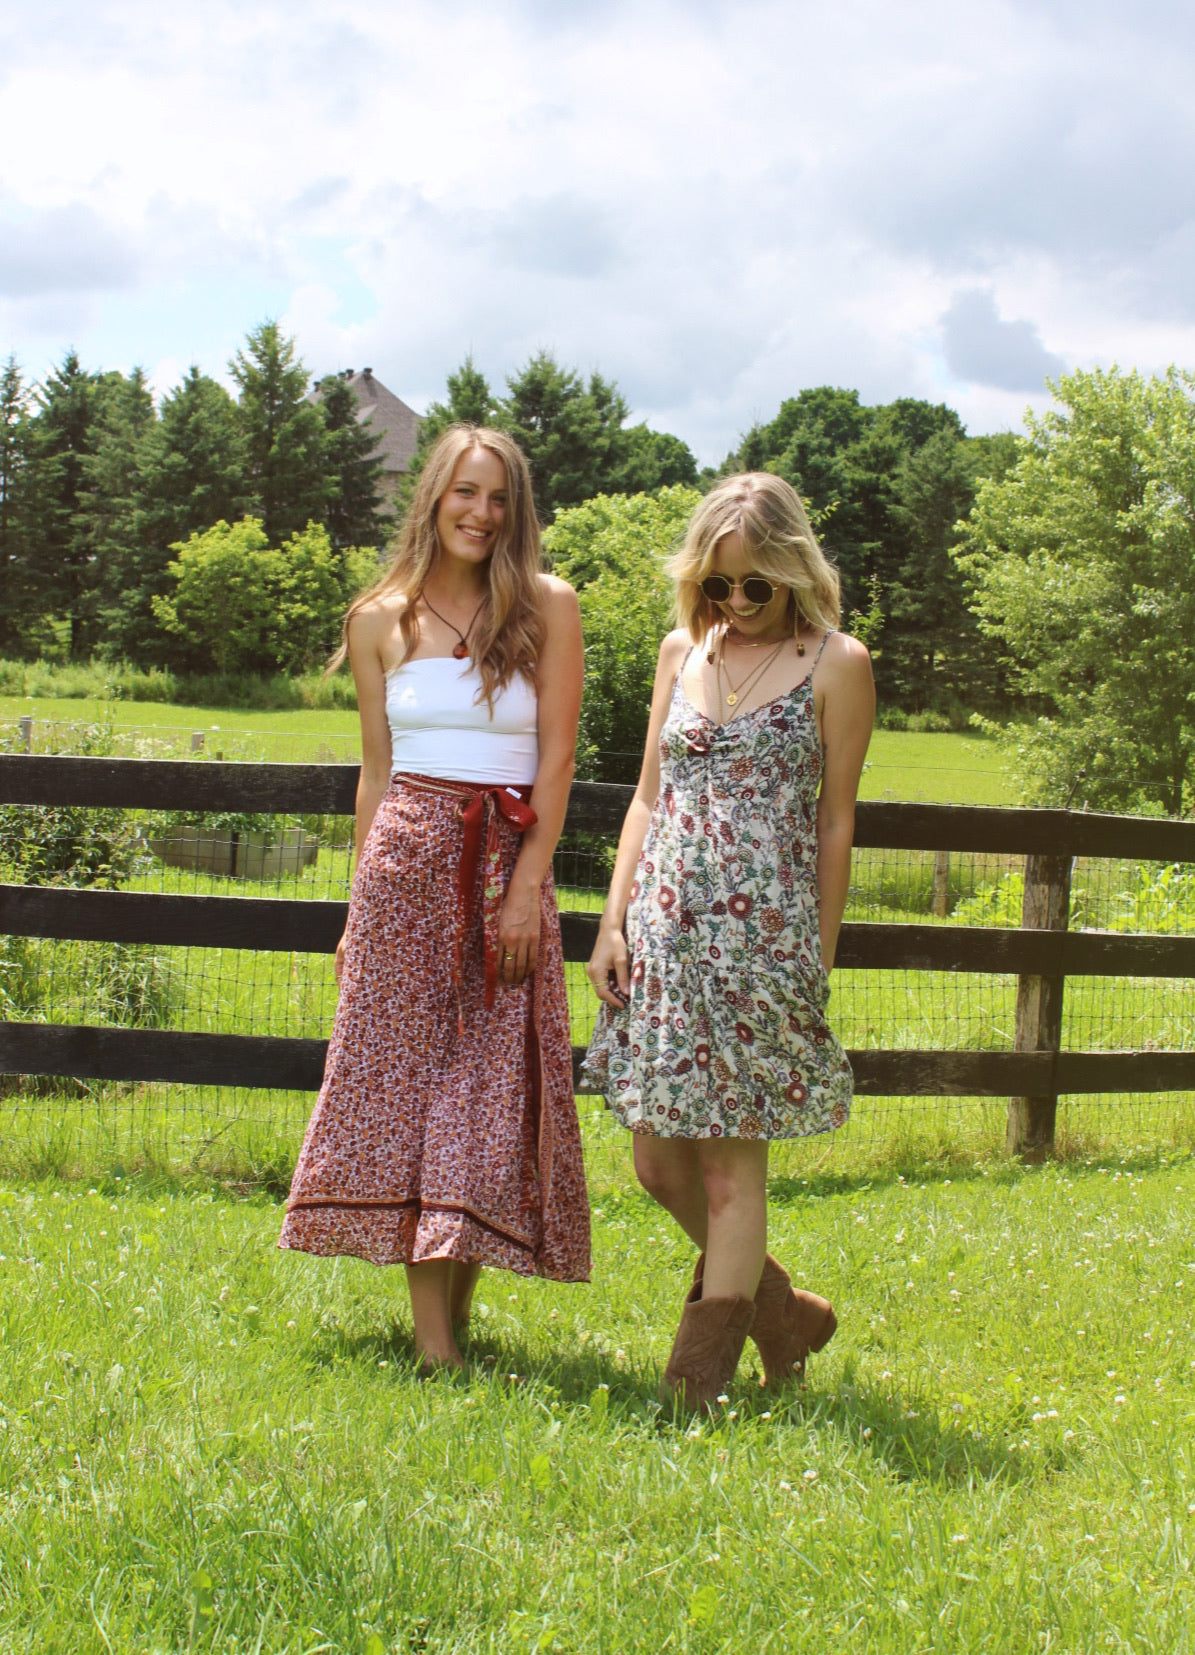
(663, 1174)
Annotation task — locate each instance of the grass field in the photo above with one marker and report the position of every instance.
(946, 768)
(206, 1445)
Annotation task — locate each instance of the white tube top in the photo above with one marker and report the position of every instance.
(438, 729)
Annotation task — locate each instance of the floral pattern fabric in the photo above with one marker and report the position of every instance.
(446, 1128)
(725, 1034)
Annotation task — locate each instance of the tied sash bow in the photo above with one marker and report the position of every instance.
(479, 808)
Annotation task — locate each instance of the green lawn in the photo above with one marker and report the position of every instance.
(208, 1445)
(936, 768)
(947, 768)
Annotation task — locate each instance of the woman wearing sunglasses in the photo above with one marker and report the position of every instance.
(723, 914)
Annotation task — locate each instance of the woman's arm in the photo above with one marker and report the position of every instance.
(366, 632)
(559, 675)
(609, 957)
(847, 696)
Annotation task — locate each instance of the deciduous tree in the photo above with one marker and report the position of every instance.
(1082, 561)
(240, 605)
(612, 549)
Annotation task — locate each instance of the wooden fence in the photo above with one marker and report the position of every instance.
(1042, 953)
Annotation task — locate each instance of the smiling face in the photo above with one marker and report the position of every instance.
(758, 622)
(472, 509)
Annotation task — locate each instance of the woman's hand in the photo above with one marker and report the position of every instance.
(609, 968)
(339, 959)
(518, 938)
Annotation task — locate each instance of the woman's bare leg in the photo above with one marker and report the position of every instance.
(670, 1171)
(463, 1280)
(734, 1174)
(430, 1286)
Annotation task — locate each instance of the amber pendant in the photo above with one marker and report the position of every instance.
(459, 651)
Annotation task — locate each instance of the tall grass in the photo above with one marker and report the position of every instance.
(121, 681)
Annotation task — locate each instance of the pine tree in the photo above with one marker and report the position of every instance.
(284, 434)
(469, 401)
(17, 581)
(109, 497)
(62, 436)
(191, 476)
(573, 433)
(354, 515)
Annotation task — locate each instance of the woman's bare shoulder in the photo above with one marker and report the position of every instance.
(555, 595)
(374, 626)
(675, 646)
(846, 654)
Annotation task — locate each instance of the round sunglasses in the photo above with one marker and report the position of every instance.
(756, 589)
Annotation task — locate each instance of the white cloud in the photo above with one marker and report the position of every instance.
(715, 202)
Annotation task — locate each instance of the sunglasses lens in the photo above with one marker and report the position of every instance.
(757, 590)
(716, 588)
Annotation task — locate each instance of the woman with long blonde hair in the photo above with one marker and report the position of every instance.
(724, 909)
(445, 1136)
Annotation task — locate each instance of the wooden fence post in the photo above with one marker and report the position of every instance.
(25, 725)
(941, 901)
(1046, 907)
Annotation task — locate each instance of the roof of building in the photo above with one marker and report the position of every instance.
(396, 424)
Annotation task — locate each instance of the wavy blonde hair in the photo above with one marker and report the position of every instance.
(509, 632)
(768, 513)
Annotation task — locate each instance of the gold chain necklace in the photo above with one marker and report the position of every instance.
(735, 692)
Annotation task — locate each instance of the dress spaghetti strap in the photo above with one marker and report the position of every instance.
(820, 647)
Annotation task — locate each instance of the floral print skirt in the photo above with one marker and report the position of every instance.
(444, 1129)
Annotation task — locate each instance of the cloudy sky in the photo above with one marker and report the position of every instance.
(714, 202)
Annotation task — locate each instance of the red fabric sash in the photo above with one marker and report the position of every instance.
(479, 808)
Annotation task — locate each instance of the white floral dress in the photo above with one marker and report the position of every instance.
(725, 1034)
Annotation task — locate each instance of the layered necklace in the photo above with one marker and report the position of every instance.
(461, 648)
(733, 693)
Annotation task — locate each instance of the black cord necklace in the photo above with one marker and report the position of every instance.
(461, 649)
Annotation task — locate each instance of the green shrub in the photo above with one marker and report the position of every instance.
(612, 549)
(70, 844)
(247, 606)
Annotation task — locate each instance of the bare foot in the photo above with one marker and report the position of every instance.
(433, 1362)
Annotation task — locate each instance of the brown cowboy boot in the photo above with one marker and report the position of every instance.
(789, 1323)
(706, 1350)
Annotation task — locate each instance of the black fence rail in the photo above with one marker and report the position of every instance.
(1042, 952)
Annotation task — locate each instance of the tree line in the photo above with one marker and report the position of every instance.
(1049, 577)
(98, 489)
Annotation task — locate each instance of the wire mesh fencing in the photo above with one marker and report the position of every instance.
(255, 1132)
